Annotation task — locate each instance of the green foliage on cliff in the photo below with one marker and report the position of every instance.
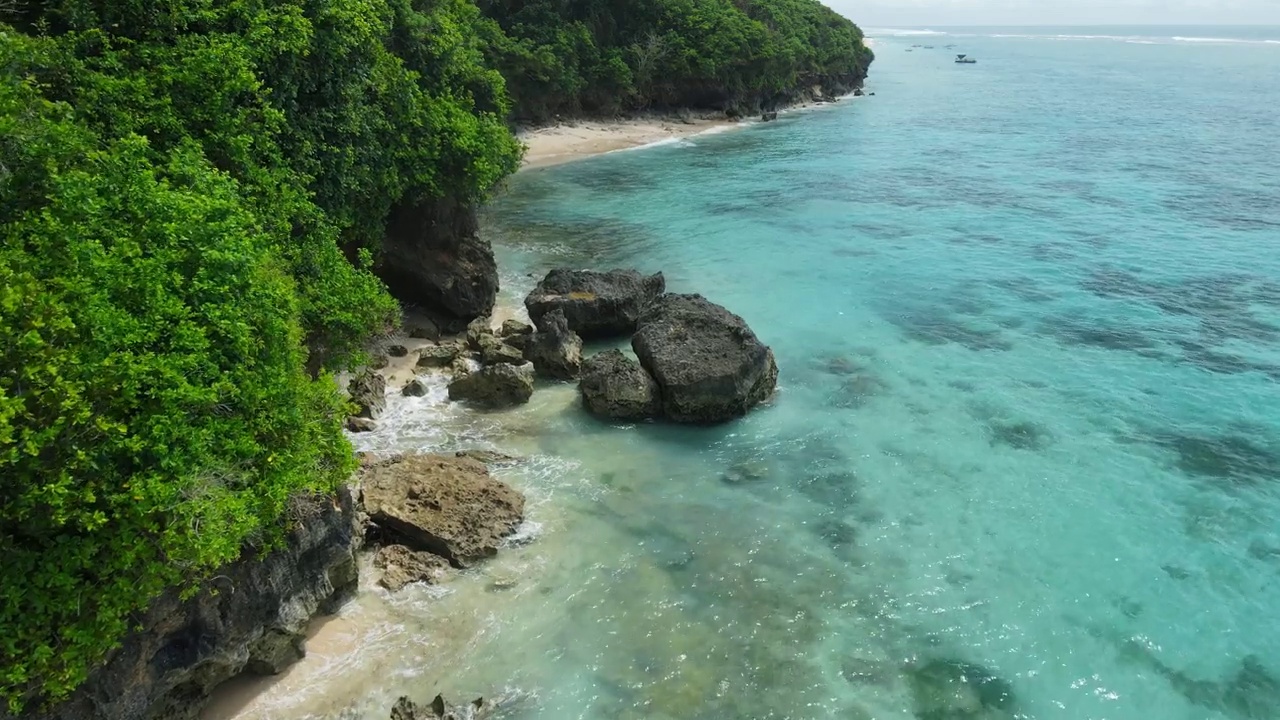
(181, 185)
(605, 56)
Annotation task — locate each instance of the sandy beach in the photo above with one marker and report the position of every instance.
(580, 139)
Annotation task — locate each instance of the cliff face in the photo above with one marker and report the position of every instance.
(433, 258)
(249, 618)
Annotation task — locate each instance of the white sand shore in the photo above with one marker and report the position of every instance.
(580, 139)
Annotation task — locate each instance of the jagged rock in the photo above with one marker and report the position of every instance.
(460, 367)
(250, 616)
(477, 331)
(397, 350)
(858, 92)
(595, 304)
(769, 116)
(519, 342)
(448, 506)
(494, 350)
(494, 386)
(512, 327)
(555, 350)
(401, 566)
(360, 425)
(438, 356)
(439, 709)
(378, 360)
(615, 386)
(708, 364)
(414, 388)
(433, 257)
(368, 391)
(422, 329)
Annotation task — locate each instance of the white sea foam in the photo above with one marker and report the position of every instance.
(1241, 41)
(895, 32)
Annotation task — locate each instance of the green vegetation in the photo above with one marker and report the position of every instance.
(178, 184)
(608, 56)
(192, 194)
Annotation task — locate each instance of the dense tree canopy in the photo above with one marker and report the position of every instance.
(607, 56)
(191, 195)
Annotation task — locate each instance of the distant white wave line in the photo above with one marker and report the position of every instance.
(904, 33)
(1225, 40)
(1137, 39)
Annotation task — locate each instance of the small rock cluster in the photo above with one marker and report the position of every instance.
(697, 362)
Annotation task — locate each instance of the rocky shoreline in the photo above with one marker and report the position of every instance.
(694, 361)
(424, 517)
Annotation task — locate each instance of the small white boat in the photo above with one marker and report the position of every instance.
(965, 60)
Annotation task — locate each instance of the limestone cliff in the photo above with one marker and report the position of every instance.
(250, 617)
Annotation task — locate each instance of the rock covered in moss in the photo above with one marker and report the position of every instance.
(494, 386)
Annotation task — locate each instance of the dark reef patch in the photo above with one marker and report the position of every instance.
(941, 328)
(837, 534)
(1227, 457)
(1250, 693)
(1025, 288)
(1226, 308)
(1077, 332)
(836, 490)
(1023, 435)
(948, 689)
(856, 391)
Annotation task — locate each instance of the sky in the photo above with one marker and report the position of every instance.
(894, 13)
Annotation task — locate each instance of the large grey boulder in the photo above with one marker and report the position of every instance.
(595, 304)
(555, 350)
(708, 364)
(614, 386)
(494, 386)
(445, 505)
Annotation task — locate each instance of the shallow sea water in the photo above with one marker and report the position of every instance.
(1027, 316)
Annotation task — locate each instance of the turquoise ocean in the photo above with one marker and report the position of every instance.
(1027, 317)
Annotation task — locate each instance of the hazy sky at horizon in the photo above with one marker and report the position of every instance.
(889, 13)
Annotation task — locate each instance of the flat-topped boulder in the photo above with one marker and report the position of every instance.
(614, 386)
(595, 304)
(445, 505)
(709, 366)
